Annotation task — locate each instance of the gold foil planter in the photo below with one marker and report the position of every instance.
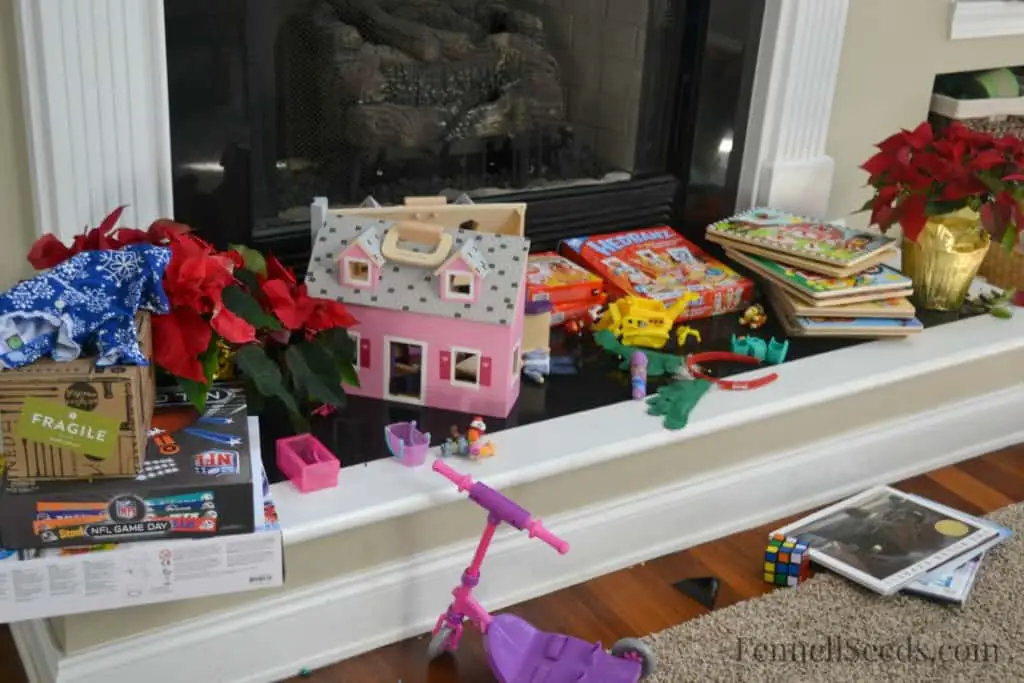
(945, 259)
(225, 363)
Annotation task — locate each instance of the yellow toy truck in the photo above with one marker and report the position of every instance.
(642, 322)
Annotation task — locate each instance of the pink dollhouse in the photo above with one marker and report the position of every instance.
(440, 311)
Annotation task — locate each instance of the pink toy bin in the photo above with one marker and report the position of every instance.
(307, 463)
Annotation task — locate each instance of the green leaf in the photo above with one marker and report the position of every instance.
(210, 359)
(315, 372)
(242, 304)
(255, 401)
(265, 374)
(249, 279)
(939, 208)
(338, 340)
(195, 392)
(867, 206)
(253, 259)
(1004, 313)
(1009, 240)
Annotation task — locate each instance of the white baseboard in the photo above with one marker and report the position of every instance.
(313, 627)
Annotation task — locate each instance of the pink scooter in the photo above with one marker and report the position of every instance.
(516, 651)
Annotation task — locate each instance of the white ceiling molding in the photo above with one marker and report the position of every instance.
(986, 19)
(784, 162)
(94, 76)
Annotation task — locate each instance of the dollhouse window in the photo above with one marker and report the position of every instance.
(356, 340)
(516, 361)
(357, 271)
(459, 285)
(466, 367)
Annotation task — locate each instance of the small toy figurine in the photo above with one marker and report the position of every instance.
(478, 448)
(684, 332)
(777, 351)
(786, 561)
(638, 375)
(455, 444)
(754, 317)
(537, 365)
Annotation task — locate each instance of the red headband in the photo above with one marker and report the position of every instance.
(694, 360)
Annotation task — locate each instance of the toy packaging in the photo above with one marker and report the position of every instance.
(73, 580)
(73, 420)
(658, 263)
(555, 279)
(195, 483)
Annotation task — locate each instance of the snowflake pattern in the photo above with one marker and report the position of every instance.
(90, 300)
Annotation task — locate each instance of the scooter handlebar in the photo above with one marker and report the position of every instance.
(536, 530)
(463, 481)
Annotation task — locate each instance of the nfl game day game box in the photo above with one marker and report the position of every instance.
(659, 263)
(196, 482)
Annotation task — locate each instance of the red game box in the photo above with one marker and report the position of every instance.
(555, 279)
(659, 263)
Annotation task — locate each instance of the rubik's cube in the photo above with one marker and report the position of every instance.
(786, 562)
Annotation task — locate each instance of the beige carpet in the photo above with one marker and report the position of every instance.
(830, 629)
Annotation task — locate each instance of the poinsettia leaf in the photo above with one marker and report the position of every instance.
(338, 340)
(242, 304)
(1001, 312)
(253, 259)
(195, 392)
(255, 401)
(868, 205)
(939, 207)
(265, 374)
(210, 359)
(1009, 239)
(248, 278)
(343, 359)
(315, 372)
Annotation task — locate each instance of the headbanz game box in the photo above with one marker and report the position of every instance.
(196, 482)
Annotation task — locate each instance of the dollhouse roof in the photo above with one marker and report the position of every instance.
(370, 243)
(469, 252)
(417, 290)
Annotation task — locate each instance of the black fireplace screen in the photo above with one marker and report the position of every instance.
(274, 102)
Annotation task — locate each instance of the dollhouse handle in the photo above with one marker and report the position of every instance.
(425, 201)
(420, 233)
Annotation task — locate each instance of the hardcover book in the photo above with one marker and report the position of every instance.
(813, 241)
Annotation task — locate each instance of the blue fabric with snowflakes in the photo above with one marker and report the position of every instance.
(88, 301)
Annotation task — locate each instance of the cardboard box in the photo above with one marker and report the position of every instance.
(658, 263)
(195, 483)
(51, 583)
(553, 278)
(47, 408)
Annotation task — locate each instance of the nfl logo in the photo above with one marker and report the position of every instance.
(126, 509)
(217, 462)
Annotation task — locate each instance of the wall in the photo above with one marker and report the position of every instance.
(891, 54)
(16, 226)
(600, 46)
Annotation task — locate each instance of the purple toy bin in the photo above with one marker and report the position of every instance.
(307, 463)
(408, 444)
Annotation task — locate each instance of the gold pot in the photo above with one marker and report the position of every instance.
(945, 259)
(225, 362)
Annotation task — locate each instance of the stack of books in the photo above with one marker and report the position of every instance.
(890, 541)
(822, 279)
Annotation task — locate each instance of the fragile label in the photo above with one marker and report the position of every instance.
(58, 425)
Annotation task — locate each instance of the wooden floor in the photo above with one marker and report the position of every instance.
(642, 600)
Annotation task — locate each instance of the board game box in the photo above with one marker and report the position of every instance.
(659, 263)
(196, 482)
(553, 278)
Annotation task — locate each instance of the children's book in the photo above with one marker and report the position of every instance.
(810, 240)
(854, 328)
(896, 307)
(885, 539)
(878, 281)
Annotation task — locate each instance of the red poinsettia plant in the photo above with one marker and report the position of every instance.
(922, 173)
(288, 345)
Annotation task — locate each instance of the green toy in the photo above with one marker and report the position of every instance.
(658, 364)
(675, 402)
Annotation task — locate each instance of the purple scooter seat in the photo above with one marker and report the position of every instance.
(519, 653)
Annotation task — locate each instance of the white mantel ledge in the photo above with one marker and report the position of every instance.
(986, 19)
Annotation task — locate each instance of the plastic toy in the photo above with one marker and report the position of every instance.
(658, 364)
(455, 444)
(516, 651)
(674, 402)
(754, 317)
(777, 351)
(408, 444)
(749, 346)
(786, 561)
(642, 322)
(684, 332)
(638, 375)
(307, 463)
(695, 360)
(421, 291)
(478, 448)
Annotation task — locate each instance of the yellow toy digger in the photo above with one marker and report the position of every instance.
(643, 322)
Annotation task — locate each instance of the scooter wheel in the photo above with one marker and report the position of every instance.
(632, 648)
(439, 643)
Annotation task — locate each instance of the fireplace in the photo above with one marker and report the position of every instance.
(602, 114)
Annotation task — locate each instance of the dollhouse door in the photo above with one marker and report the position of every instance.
(405, 377)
